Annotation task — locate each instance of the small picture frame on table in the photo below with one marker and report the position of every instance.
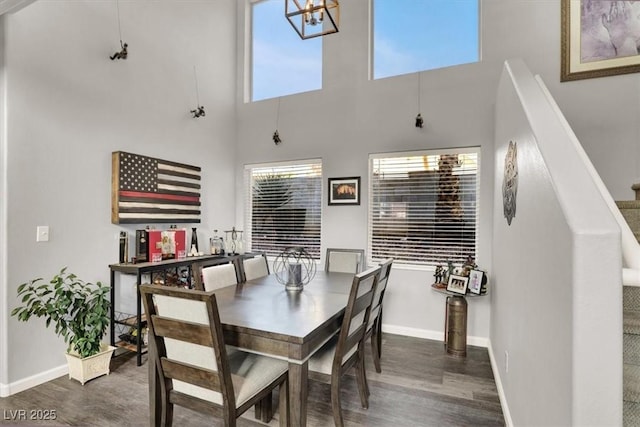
(475, 281)
(457, 284)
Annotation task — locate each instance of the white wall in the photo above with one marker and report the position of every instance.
(354, 116)
(556, 305)
(69, 107)
(360, 116)
(4, 374)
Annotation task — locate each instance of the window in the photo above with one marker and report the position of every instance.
(282, 63)
(423, 206)
(418, 35)
(284, 206)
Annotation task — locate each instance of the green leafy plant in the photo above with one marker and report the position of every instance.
(79, 310)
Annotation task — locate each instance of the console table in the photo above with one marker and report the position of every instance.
(137, 320)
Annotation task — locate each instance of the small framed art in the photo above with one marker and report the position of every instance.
(344, 191)
(458, 284)
(475, 281)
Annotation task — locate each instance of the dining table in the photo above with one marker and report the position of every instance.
(261, 316)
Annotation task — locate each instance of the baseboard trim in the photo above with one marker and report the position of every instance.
(503, 399)
(35, 380)
(4, 390)
(430, 335)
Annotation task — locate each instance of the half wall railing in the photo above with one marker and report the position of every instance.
(630, 245)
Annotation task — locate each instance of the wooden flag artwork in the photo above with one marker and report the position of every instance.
(149, 190)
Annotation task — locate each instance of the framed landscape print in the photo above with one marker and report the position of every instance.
(599, 38)
(344, 191)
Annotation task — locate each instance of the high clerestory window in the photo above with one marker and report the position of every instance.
(423, 206)
(419, 35)
(283, 206)
(281, 62)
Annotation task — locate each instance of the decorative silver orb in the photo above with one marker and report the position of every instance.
(294, 268)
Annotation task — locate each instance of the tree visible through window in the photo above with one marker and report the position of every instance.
(423, 206)
(418, 35)
(284, 207)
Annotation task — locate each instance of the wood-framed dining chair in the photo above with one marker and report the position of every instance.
(346, 350)
(255, 267)
(218, 278)
(192, 365)
(341, 260)
(374, 326)
(212, 277)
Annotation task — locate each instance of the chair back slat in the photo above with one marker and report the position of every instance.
(355, 337)
(385, 271)
(356, 315)
(191, 374)
(193, 333)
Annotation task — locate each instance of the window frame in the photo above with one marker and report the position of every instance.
(250, 51)
(249, 202)
(372, 46)
(429, 264)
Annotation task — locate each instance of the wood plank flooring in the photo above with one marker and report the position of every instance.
(420, 385)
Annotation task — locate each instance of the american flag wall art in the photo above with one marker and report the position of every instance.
(148, 190)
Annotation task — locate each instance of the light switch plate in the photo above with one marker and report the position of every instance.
(42, 233)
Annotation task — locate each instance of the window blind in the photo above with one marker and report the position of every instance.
(284, 206)
(423, 206)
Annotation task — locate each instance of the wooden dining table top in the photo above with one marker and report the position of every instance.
(264, 308)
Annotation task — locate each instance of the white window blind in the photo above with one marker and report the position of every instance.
(284, 206)
(423, 206)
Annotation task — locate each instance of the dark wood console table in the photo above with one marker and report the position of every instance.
(137, 320)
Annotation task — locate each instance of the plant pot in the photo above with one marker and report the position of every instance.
(90, 367)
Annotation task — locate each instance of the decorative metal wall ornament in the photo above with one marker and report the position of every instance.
(199, 111)
(122, 54)
(315, 18)
(510, 182)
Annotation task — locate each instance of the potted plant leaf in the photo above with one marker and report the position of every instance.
(79, 312)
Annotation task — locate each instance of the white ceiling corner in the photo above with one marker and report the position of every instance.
(11, 6)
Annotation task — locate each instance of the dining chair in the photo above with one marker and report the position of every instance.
(255, 267)
(198, 267)
(194, 368)
(374, 326)
(215, 277)
(346, 350)
(344, 260)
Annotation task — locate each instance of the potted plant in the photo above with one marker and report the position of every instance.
(80, 313)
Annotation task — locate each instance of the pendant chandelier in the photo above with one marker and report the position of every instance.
(313, 18)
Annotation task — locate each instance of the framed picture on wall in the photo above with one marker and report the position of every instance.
(598, 38)
(458, 284)
(344, 191)
(475, 281)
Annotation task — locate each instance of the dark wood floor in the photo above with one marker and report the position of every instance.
(420, 385)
